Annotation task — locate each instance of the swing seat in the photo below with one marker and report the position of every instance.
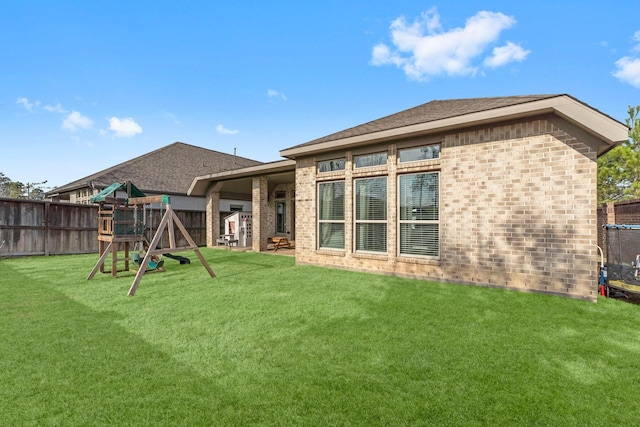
(156, 263)
(135, 258)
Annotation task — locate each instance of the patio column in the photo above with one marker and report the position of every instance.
(260, 195)
(213, 214)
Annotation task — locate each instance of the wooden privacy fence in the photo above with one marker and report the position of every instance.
(32, 227)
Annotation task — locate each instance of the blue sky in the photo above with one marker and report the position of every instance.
(85, 85)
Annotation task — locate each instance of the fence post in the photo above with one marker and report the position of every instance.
(46, 228)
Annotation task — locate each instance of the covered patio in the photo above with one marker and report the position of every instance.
(269, 187)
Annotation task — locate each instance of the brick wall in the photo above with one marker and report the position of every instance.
(626, 212)
(517, 210)
(259, 207)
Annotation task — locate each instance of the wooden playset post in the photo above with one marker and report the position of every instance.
(169, 221)
(121, 221)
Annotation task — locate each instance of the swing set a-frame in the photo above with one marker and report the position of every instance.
(121, 222)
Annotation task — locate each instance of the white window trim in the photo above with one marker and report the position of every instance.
(400, 221)
(370, 221)
(328, 221)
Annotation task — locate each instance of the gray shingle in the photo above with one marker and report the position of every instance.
(431, 111)
(168, 170)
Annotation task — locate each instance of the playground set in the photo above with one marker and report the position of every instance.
(621, 273)
(123, 226)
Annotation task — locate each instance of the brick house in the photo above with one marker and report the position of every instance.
(490, 191)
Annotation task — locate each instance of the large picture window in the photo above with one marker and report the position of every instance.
(331, 215)
(419, 217)
(371, 214)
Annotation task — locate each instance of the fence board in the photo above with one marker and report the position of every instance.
(32, 227)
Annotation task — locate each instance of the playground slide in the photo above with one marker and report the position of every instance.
(182, 259)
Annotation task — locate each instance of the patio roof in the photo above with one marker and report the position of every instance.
(239, 180)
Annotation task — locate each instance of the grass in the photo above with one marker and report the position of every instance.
(270, 343)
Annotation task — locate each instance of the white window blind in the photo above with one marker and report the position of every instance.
(371, 214)
(419, 214)
(416, 154)
(331, 165)
(370, 160)
(331, 215)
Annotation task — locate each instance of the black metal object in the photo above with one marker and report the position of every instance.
(623, 257)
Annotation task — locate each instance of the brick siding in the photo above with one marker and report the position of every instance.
(517, 210)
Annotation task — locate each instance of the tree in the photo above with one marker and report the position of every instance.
(37, 194)
(16, 190)
(619, 169)
(4, 185)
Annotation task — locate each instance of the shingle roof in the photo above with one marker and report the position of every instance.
(168, 170)
(431, 111)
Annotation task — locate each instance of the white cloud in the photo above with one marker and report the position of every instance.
(275, 94)
(55, 108)
(76, 121)
(628, 67)
(36, 105)
(223, 130)
(124, 128)
(432, 20)
(505, 54)
(628, 70)
(423, 49)
(636, 37)
(172, 117)
(26, 104)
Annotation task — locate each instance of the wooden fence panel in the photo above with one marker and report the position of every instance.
(72, 229)
(22, 230)
(194, 222)
(31, 227)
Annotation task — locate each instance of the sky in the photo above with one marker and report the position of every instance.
(86, 85)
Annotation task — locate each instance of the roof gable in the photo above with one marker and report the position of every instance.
(169, 169)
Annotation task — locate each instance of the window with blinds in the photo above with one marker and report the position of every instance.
(417, 154)
(331, 215)
(419, 214)
(331, 165)
(371, 214)
(370, 160)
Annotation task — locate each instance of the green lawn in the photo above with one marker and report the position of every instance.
(269, 343)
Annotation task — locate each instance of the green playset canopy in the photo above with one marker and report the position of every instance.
(128, 187)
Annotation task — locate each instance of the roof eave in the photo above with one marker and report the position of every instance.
(610, 131)
(200, 184)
